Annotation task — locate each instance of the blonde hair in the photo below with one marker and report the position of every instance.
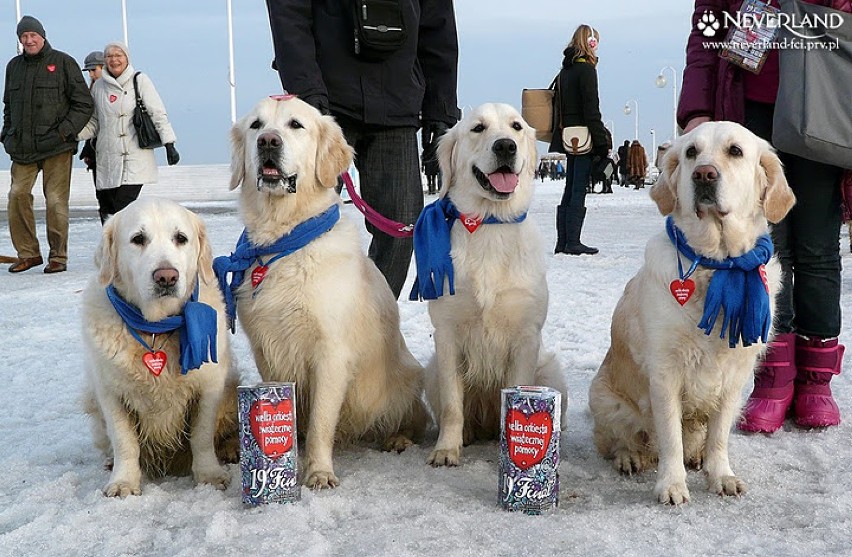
(580, 42)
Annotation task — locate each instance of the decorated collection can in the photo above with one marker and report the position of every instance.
(268, 444)
(529, 449)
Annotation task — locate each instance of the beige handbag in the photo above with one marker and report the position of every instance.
(577, 140)
(537, 110)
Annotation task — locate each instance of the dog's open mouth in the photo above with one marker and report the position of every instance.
(502, 182)
(270, 175)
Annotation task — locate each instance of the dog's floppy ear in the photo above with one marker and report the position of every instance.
(238, 154)
(778, 198)
(664, 191)
(334, 155)
(446, 158)
(106, 255)
(205, 252)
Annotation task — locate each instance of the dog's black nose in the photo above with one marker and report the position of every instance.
(269, 140)
(705, 174)
(166, 277)
(504, 147)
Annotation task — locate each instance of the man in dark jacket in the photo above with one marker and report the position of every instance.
(45, 104)
(380, 89)
(622, 162)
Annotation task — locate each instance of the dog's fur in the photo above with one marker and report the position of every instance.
(488, 335)
(166, 424)
(324, 316)
(666, 391)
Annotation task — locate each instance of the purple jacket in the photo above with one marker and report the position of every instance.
(711, 86)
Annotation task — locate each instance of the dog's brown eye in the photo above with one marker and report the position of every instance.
(479, 128)
(139, 239)
(181, 239)
(691, 152)
(255, 125)
(735, 151)
(296, 125)
(517, 126)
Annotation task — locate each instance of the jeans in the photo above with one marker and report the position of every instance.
(807, 240)
(578, 170)
(389, 170)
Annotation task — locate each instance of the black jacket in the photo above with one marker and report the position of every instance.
(316, 60)
(578, 102)
(45, 104)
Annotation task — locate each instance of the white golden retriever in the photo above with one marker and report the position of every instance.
(151, 418)
(666, 391)
(324, 315)
(488, 334)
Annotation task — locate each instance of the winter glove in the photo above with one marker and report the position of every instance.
(320, 102)
(172, 155)
(429, 135)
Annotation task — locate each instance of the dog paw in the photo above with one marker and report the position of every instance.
(321, 479)
(728, 485)
(218, 477)
(444, 457)
(672, 494)
(629, 463)
(122, 489)
(397, 442)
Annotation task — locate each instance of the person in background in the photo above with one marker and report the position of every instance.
(94, 64)
(579, 106)
(379, 96)
(622, 163)
(122, 166)
(805, 353)
(637, 165)
(45, 104)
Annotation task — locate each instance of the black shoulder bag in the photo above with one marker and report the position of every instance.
(146, 133)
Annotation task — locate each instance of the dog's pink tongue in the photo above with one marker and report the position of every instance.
(504, 182)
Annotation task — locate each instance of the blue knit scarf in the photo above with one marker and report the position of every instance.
(196, 326)
(432, 248)
(246, 253)
(736, 288)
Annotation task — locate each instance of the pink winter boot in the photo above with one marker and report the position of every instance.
(773, 387)
(817, 361)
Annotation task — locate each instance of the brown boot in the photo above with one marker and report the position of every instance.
(25, 263)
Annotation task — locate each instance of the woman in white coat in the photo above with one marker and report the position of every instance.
(122, 166)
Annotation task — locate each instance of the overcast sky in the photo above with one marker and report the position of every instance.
(504, 46)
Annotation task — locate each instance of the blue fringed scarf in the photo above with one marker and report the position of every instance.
(736, 288)
(196, 326)
(432, 248)
(246, 253)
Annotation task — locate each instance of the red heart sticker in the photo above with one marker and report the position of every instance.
(154, 361)
(682, 290)
(471, 223)
(51, 67)
(528, 437)
(272, 426)
(762, 270)
(258, 275)
(113, 98)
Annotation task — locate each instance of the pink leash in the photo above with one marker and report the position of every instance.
(389, 227)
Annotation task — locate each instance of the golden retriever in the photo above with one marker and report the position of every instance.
(156, 419)
(322, 316)
(488, 334)
(667, 392)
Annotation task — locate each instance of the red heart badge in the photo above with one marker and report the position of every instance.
(113, 98)
(528, 437)
(682, 290)
(154, 361)
(51, 68)
(258, 275)
(471, 223)
(272, 426)
(762, 270)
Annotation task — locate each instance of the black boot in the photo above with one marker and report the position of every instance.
(560, 229)
(574, 217)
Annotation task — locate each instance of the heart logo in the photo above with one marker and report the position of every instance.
(258, 275)
(154, 361)
(113, 98)
(272, 426)
(762, 270)
(682, 290)
(528, 437)
(51, 68)
(471, 223)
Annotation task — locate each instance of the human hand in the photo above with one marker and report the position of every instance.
(172, 155)
(429, 135)
(695, 122)
(320, 102)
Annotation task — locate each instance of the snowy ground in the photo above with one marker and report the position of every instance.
(798, 503)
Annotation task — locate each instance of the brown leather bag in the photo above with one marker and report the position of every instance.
(537, 110)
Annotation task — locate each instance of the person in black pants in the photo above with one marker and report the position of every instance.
(578, 106)
(623, 153)
(380, 90)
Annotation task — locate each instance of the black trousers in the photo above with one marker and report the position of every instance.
(807, 240)
(389, 170)
(114, 200)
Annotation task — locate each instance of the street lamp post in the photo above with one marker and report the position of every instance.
(661, 82)
(653, 153)
(627, 111)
